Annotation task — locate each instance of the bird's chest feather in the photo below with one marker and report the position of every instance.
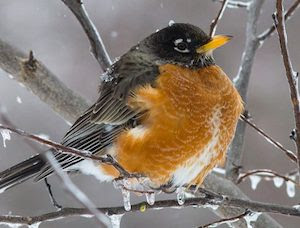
(187, 123)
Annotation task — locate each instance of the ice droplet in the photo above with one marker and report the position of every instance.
(5, 135)
(150, 197)
(114, 34)
(171, 22)
(116, 220)
(126, 199)
(254, 179)
(180, 196)
(252, 217)
(278, 181)
(161, 5)
(290, 187)
(19, 100)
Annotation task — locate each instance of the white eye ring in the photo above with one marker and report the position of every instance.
(182, 51)
(177, 44)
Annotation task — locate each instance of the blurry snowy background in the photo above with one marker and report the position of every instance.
(52, 32)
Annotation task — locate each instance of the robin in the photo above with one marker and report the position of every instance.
(165, 110)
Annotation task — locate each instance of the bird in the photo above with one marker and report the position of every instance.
(165, 110)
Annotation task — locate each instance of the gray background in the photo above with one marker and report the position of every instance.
(51, 31)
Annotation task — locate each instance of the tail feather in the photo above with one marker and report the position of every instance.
(20, 172)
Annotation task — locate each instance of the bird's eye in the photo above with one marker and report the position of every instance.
(181, 46)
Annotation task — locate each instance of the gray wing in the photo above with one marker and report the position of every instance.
(98, 127)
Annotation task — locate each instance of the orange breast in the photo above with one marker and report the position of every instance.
(192, 117)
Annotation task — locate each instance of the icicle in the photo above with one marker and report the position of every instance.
(116, 220)
(254, 181)
(126, 199)
(252, 217)
(171, 22)
(5, 135)
(297, 207)
(35, 225)
(150, 197)
(278, 181)
(10, 225)
(180, 195)
(290, 187)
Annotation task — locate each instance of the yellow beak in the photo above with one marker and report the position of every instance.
(216, 41)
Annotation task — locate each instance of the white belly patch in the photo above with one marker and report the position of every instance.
(189, 171)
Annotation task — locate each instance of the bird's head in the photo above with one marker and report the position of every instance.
(182, 44)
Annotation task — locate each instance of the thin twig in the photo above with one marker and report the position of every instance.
(76, 192)
(228, 201)
(241, 81)
(51, 196)
(235, 4)
(265, 171)
(214, 23)
(270, 31)
(97, 46)
(69, 150)
(226, 220)
(291, 75)
(278, 145)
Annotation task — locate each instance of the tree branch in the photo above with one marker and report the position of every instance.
(42, 82)
(195, 202)
(226, 220)
(235, 4)
(276, 144)
(214, 23)
(291, 75)
(241, 81)
(270, 31)
(97, 46)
